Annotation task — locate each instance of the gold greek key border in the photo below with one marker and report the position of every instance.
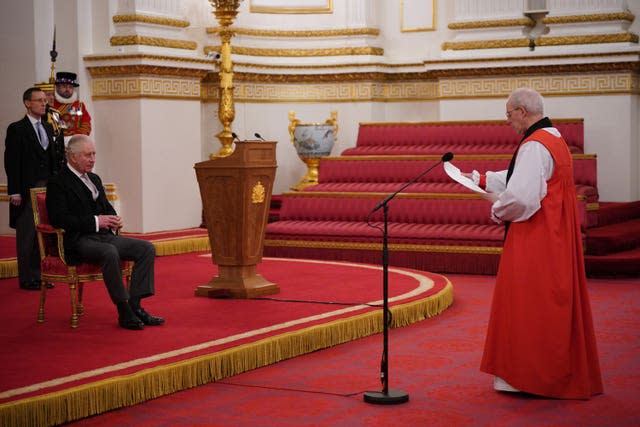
(345, 51)
(344, 32)
(567, 85)
(329, 92)
(148, 19)
(496, 23)
(152, 41)
(597, 17)
(139, 69)
(145, 87)
(485, 250)
(445, 88)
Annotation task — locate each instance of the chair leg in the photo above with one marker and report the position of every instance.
(79, 304)
(74, 314)
(43, 297)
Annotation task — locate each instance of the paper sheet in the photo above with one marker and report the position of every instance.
(456, 175)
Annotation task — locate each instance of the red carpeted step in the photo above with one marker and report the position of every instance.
(612, 212)
(618, 237)
(625, 263)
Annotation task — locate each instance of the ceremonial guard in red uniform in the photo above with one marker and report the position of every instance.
(73, 112)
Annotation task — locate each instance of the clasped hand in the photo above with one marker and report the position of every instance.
(112, 222)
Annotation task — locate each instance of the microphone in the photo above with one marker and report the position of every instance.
(446, 157)
(257, 135)
(235, 136)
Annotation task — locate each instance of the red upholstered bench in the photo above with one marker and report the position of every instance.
(459, 137)
(387, 173)
(437, 232)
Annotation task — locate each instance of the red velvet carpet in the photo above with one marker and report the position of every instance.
(53, 374)
(436, 362)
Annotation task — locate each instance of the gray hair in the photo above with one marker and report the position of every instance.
(528, 98)
(75, 141)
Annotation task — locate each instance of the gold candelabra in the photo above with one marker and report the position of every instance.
(225, 12)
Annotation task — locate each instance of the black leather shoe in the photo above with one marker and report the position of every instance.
(133, 324)
(50, 286)
(128, 320)
(148, 319)
(33, 285)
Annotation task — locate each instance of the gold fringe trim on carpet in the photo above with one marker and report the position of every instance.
(127, 390)
(8, 268)
(166, 247)
(181, 245)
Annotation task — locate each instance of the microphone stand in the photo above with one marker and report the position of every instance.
(386, 396)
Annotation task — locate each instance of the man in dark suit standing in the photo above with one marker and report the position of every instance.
(76, 201)
(29, 161)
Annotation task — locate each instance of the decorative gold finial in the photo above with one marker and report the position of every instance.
(225, 12)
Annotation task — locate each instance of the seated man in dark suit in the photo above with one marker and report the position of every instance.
(76, 202)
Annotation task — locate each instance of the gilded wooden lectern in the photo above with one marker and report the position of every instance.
(236, 194)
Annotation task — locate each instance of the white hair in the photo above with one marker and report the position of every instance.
(528, 98)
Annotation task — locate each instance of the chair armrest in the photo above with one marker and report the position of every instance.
(59, 232)
(46, 228)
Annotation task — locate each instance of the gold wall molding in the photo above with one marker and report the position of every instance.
(149, 19)
(297, 53)
(485, 44)
(324, 67)
(146, 56)
(562, 57)
(597, 17)
(296, 8)
(496, 23)
(548, 85)
(140, 69)
(541, 41)
(633, 66)
(152, 41)
(429, 89)
(145, 87)
(343, 32)
(588, 39)
(328, 92)
(328, 78)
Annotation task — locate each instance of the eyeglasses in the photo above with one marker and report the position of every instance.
(511, 111)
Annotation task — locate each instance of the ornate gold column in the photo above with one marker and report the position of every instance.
(225, 12)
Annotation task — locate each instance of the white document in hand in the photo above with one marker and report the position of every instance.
(457, 176)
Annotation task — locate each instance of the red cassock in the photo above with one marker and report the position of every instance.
(540, 337)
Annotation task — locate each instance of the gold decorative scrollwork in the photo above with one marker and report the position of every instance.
(152, 41)
(345, 51)
(496, 23)
(346, 32)
(258, 193)
(596, 17)
(148, 19)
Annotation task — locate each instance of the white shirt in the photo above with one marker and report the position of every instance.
(527, 186)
